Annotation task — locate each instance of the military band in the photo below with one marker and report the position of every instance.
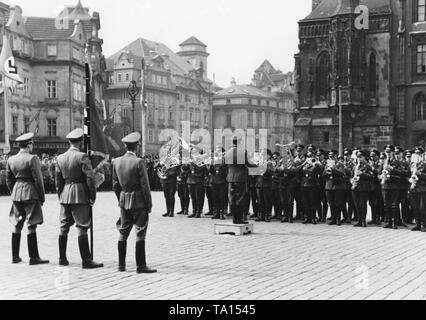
(392, 183)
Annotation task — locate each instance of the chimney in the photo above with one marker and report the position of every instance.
(315, 3)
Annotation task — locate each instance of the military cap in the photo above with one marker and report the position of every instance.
(362, 152)
(132, 138)
(408, 152)
(335, 152)
(311, 146)
(320, 152)
(276, 154)
(399, 150)
(300, 146)
(75, 135)
(376, 152)
(347, 151)
(25, 138)
(419, 150)
(392, 148)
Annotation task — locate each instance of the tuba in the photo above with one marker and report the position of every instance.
(169, 159)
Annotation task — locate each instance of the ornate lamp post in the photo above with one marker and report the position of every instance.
(133, 92)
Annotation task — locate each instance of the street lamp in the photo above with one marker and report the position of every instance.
(133, 92)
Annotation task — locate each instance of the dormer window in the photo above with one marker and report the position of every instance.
(51, 50)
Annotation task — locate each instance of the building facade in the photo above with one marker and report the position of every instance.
(339, 62)
(176, 89)
(248, 107)
(50, 55)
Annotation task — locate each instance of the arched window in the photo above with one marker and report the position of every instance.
(322, 78)
(372, 76)
(420, 107)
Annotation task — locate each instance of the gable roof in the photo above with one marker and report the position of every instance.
(329, 8)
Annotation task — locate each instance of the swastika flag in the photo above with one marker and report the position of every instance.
(8, 67)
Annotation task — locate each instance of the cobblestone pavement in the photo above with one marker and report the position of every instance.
(279, 261)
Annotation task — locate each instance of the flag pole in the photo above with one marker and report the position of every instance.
(87, 142)
(6, 148)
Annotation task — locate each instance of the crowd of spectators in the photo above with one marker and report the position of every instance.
(48, 170)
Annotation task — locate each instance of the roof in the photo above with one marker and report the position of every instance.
(330, 8)
(149, 49)
(192, 40)
(244, 90)
(46, 28)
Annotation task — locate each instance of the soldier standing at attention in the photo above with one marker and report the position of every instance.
(295, 187)
(404, 185)
(131, 186)
(418, 190)
(25, 181)
(76, 189)
(182, 188)
(195, 182)
(390, 187)
(238, 164)
(375, 198)
(335, 187)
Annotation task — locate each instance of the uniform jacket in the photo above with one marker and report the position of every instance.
(131, 183)
(375, 182)
(196, 174)
(218, 173)
(295, 173)
(237, 172)
(365, 179)
(421, 184)
(405, 174)
(395, 176)
(171, 176)
(265, 181)
(75, 179)
(310, 175)
(24, 177)
(335, 180)
(183, 174)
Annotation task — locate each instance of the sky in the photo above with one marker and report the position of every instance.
(239, 34)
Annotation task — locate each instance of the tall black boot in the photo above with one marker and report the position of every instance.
(63, 261)
(33, 250)
(16, 243)
(141, 259)
(216, 215)
(122, 249)
(88, 263)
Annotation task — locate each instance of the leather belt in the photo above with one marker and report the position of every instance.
(74, 181)
(25, 180)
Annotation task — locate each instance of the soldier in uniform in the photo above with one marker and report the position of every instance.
(209, 190)
(25, 182)
(310, 184)
(349, 209)
(335, 187)
(322, 204)
(183, 190)
(418, 191)
(390, 179)
(295, 190)
(131, 186)
(375, 198)
(362, 177)
(169, 186)
(218, 173)
(404, 185)
(284, 175)
(76, 189)
(407, 210)
(276, 197)
(237, 162)
(196, 188)
(264, 188)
